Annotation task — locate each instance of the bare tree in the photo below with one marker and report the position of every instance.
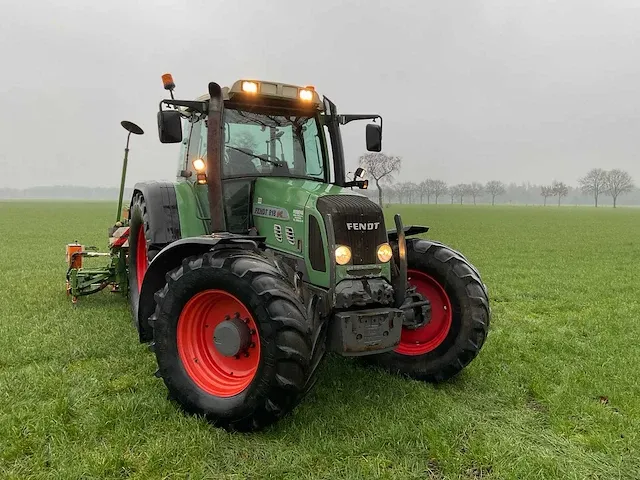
(425, 189)
(402, 190)
(390, 193)
(431, 185)
(466, 190)
(453, 192)
(475, 189)
(546, 192)
(380, 167)
(617, 182)
(559, 189)
(495, 188)
(397, 192)
(593, 183)
(439, 188)
(459, 191)
(412, 191)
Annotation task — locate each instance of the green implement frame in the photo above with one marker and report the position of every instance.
(85, 281)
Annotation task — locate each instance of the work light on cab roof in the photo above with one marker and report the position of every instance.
(275, 90)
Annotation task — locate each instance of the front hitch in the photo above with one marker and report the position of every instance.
(416, 309)
(400, 280)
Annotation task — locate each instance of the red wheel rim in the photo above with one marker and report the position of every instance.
(428, 337)
(212, 371)
(141, 257)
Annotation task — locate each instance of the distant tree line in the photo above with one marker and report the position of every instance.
(595, 184)
(65, 192)
(592, 187)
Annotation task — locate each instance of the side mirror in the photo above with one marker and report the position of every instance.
(374, 137)
(169, 126)
(361, 184)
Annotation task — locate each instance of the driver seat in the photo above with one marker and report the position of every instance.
(240, 163)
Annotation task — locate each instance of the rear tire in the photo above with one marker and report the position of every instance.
(460, 315)
(272, 384)
(138, 249)
(141, 250)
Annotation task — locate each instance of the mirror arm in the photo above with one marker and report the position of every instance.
(344, 119)
(361, 184)
(200, 107)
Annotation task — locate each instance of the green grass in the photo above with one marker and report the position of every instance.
(555, 392)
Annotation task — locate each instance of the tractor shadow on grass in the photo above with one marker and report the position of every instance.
(350, 394)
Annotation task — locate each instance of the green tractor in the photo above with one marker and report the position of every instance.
(263, 256)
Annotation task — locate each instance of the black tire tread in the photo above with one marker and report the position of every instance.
(138, 204)
(287, 327)
(437, 368)
(137, 215)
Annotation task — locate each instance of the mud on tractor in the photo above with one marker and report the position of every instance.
(262, 256)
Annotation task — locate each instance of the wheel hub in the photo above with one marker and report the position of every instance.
(422, 338)
(232, 336)
(417, 310)
(219, 349)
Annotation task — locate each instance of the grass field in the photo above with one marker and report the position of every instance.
(555, 392)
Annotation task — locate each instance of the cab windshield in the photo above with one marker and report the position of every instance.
(260, 144)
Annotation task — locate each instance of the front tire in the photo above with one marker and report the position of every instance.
(460, 315)
(263, 381)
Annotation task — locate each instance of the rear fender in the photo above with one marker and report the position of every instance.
(171, 257)
(163, 215)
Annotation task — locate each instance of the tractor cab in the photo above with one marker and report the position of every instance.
(271, 158)
(269, 129)
(263, 136)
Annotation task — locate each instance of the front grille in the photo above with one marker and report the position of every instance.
(316, 246)
(357, 223)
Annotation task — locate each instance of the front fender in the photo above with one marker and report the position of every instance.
(171, 257)
(409, 231)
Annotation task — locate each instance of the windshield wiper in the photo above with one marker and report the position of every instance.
(259, 157)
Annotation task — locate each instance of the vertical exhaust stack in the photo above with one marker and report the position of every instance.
(215, 147)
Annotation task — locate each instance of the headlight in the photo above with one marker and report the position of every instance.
(343, 255)
(199, 164)
(385, 253)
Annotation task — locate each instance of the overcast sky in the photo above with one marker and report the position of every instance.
(469, 90)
